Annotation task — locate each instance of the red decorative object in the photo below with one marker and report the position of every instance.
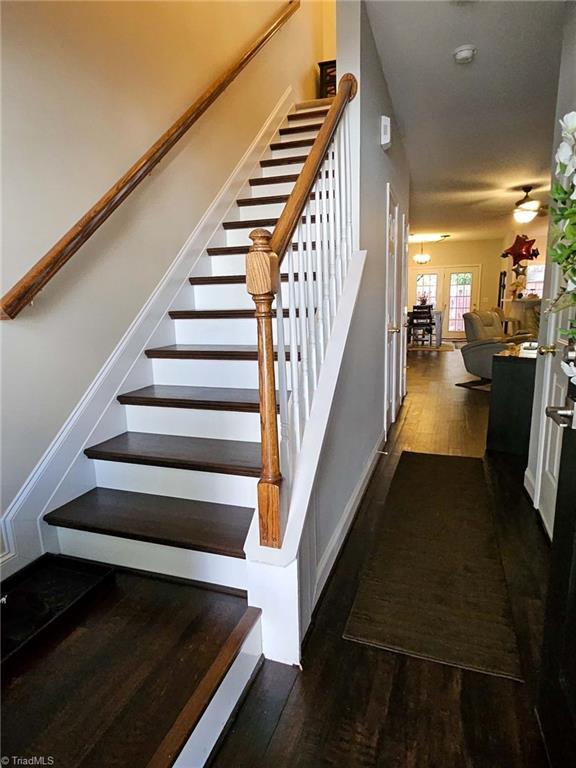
(521, 250)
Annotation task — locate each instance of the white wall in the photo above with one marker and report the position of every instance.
(86, 88)
(356, 425)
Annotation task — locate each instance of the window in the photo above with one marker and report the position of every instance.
(460, 299)
(427, 285)
(535, 279)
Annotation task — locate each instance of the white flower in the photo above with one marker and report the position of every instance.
(566, 156)
(570, 370)
(568, 124)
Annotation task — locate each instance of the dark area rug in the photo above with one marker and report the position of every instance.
(434, 585)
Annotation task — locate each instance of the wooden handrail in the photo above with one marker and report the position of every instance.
(262, 282)
(300, 195)
(22, 293)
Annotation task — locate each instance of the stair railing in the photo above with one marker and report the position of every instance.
(24, 291)
(312, 242)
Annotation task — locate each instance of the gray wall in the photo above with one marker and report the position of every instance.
(358, 410)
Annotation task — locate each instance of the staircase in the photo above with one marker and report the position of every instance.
(175, 496)
(199, 414)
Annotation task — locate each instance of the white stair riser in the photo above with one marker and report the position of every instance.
(242, 236)
(265, 211)
(290, 152)
(307, 121)
(208, 373)
(263, 190)
(181, 483)
(157, 558)
(234, 264)
(233, 295)
(277, 170)
(221, 425)
(221, 331)
(310, 134)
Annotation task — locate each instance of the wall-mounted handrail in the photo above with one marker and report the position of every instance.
(23, 292)
(314, 287)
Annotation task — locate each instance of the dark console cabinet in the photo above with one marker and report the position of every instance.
(511, 404)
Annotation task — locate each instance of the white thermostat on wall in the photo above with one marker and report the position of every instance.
(385, 132)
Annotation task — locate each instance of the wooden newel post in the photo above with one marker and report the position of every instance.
(262, 282)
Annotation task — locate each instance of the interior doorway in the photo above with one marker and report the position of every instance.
(452, 290)
(395, 345)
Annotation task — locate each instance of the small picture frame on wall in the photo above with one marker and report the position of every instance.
(327, 84)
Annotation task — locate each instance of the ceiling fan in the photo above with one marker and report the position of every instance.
(527, 208)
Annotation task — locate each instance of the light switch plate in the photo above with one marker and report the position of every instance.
(385, 132)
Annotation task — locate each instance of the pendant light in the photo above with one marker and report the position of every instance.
(526, 209)
(422, 258)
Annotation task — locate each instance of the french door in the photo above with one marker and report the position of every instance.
(451, 290)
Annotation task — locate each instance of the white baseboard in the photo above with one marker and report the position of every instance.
(330, 554)
(21, 522)
(530, 484)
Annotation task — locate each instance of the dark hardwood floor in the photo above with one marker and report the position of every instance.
(125, 683)
(356, 707)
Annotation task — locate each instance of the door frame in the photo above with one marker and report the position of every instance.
(394, 289)
(444, 269)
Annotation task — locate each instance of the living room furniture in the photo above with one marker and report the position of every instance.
(421, 323)
(511, 396)
(485, 336)
(437, 320)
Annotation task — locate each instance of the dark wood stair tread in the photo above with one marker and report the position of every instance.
(217, 314)
(306, 114)
(203, 398)
(217, 528)
(130, 680)
(239, 250)
(231, 457)
(231, 279)
(272, 161)
(256, 223)
(267, 200)
(208, 352)
(294, 144)
(262, 181)
(291, 129)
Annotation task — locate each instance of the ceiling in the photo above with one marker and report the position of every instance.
(474, 134)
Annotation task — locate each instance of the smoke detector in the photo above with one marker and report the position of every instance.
(464, 54)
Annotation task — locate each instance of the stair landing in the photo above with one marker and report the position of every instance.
(129, 682)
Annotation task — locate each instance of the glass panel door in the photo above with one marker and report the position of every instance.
(427, 288)
(460, 300)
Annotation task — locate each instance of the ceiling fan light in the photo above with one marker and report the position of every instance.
(525, 215)
(529, 205)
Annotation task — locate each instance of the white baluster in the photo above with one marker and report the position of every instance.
(348, 183)
(338, 221)
(294, 365)
(310, 315)
(331, 232)
(328, 315)
(285, 458)
(319, 271)
(305, 378)
(343, 201)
